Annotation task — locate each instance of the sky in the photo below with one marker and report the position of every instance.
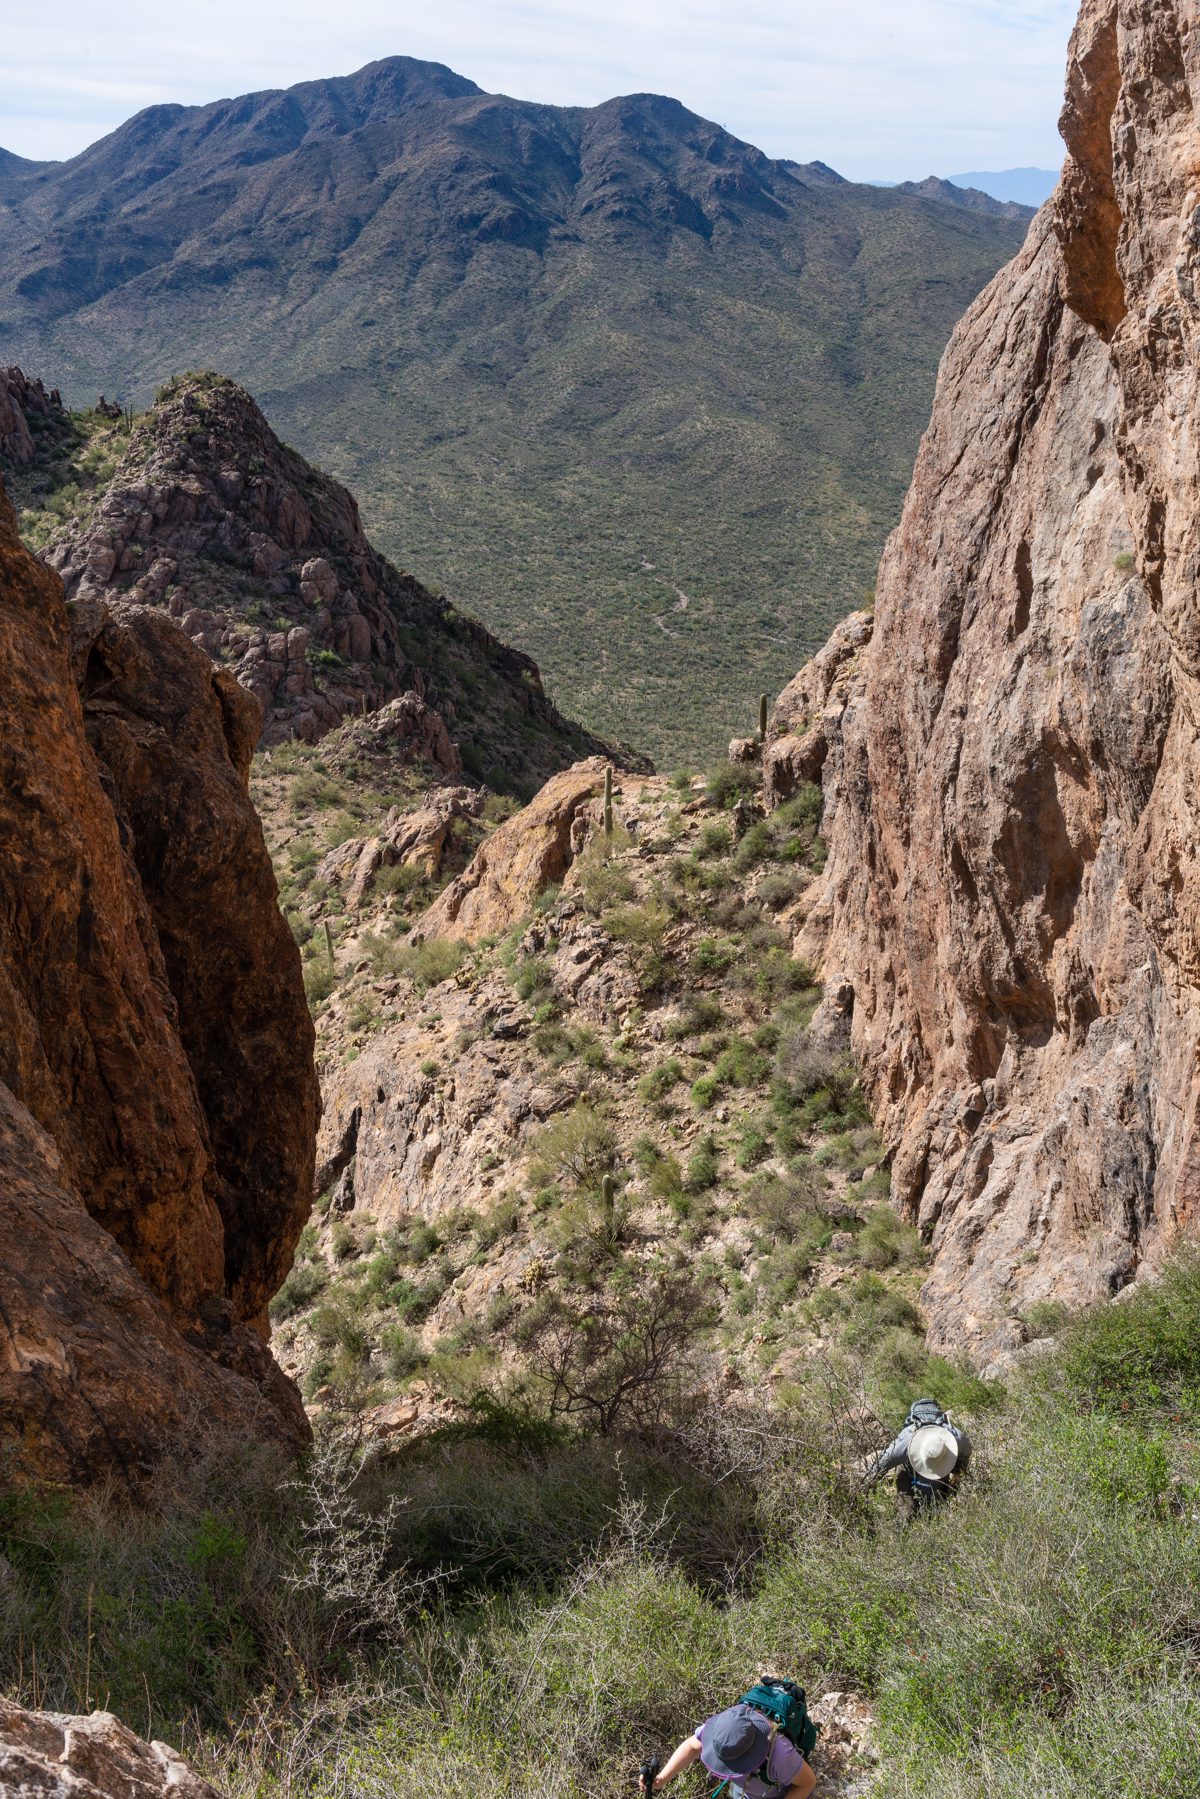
(880, 89)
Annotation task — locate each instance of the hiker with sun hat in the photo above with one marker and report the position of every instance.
(759, 1747)
(930, 1456)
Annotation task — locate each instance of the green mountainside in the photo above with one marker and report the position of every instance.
(641, 398)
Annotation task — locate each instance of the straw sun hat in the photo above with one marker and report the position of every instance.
(933, 1452)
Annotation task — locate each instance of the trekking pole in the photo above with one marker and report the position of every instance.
(649, 1772)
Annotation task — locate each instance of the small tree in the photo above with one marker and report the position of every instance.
(619, 1359)
(579, 1146)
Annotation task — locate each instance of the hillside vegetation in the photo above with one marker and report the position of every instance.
(514, 1605)
(639, 397)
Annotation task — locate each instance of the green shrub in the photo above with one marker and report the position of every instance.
(429, 963)
(404, 879)
(655, 1086)
(601, 878)
(1143, 1352)
(703, 1168)
(754, 1144)
(785, 1205)
(533, 980)
(886, 1241)
(579, 1146)
(1045, 1318)
(320, 979)
(777, 891)
(741, 1065)
(714, 955)
(645, 925)
(304, 1281)
(704, 1092)
(713, 840)
(729, 782)
(699, 1012)
(402, 1354)
(314, 792)
(754, 847)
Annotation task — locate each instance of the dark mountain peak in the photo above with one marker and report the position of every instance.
(228, 134)
(819, 173)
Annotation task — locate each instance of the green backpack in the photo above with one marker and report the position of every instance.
(784, 1703)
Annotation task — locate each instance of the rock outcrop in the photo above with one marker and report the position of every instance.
(806, 719)
(47, 1755)
(22, 403)
(518, 861)
(415, 840)
(1013, 885)
(155, 1048)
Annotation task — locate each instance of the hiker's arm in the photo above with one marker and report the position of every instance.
(890, 1458)
(803, 1784)
(681, 1758)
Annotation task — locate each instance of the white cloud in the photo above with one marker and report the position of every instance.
(875, 88)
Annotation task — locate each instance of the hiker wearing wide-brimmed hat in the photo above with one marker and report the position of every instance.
(747, 1748)
(930, 1456)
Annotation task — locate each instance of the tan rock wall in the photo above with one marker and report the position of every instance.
(1012, 815)
(48, 1755)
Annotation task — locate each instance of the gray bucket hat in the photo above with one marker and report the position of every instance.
(735, 1741)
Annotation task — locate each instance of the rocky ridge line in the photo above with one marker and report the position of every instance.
(263, 562)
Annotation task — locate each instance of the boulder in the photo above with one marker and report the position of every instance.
(520, 860)
(49, 1755)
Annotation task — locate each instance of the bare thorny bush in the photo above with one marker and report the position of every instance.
(622, 1357)
(345, 1557)
(813, 1453)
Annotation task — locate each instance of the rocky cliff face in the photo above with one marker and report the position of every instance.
(159, 1098)
(1012, 767)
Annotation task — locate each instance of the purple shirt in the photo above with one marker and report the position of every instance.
(786, 1763)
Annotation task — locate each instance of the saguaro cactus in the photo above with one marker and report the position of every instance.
(608, 1208)
(762, 717)
(608, 806)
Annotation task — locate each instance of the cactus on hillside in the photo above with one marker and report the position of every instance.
(608, 1205)
(608, 801)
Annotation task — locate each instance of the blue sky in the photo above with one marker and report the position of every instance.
(879, 88)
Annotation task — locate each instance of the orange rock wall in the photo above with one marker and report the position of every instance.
(156, 1074)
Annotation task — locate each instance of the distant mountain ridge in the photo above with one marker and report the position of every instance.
(642, 398)
(973, 198)
(1027, 187)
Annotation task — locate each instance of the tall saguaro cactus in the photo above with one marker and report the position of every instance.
(762, 717)
(608, 803)
(608, 1209)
